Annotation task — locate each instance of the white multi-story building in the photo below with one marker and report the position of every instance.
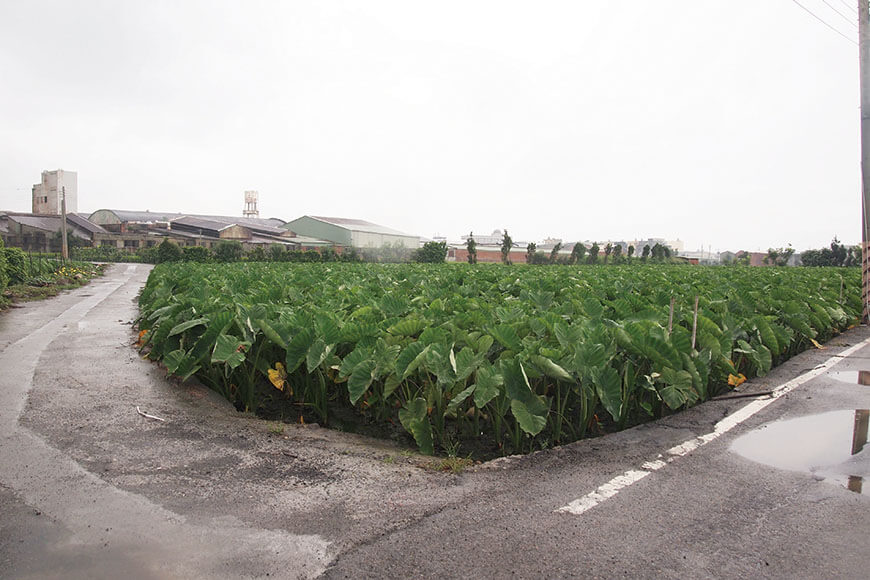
(47, 195)
(493, 239)
(703, 256)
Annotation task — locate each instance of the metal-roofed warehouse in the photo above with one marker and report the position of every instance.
(120, 220)
(41, 233)
(350, 232)
(135, 229)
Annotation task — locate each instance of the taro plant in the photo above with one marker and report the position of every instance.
(489, 358)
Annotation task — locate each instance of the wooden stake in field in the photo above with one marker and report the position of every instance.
(695, 323)
(671, 316)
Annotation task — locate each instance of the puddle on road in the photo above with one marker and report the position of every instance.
(853, 377)
(828, 446)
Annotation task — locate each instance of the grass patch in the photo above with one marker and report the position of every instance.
(42, 287)
(276, 428)
(27, 293)
(451, 464)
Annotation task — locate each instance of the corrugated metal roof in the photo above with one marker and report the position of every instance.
(355, 225)
(152, 217)
(42, 222)
(217, 223)
(177, 234)
(51, 223)
(85, 224)
(246, 221)
(201, 223)
(306, 241)
(143, 216)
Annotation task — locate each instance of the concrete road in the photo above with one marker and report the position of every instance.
(90, 488)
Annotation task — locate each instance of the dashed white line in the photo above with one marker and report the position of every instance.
(632, 476)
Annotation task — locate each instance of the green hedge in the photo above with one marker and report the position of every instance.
(4, 276)
(16, 265)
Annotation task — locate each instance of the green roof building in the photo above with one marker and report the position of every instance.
(350, 232)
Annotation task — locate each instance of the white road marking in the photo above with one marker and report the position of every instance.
(620, 482)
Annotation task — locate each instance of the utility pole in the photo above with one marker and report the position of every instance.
(63, 244)
(864, 62)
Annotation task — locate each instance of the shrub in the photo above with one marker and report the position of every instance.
(196, 254)
(168, 252)
(277, 253)
(113, 254)
(837, 255)
(228, 251)
(16, 265)
(350, 255)
(389, 253)
(256, 254)
(431, 253)
(304, 256)
(4, 277)
(538, 258)
(328, 254)
(143, 255)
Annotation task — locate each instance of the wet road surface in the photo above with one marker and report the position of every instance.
(90, 488)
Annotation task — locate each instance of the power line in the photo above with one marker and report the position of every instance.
(814, 15)
(849, 6)
(846, 18)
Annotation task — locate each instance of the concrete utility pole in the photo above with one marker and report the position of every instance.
(864, 61)
(63, 244)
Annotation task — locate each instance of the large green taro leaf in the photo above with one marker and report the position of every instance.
(414, 418)
(229, 350)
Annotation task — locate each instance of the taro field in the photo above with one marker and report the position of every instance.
(485, 359)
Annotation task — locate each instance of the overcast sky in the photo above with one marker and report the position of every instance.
(731, 124)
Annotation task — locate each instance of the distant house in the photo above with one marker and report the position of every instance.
(701, 257)
(132, 230)
(42, 233)
(121, 221)
(493, 239)
(751, 258)
(727, 256)
(350, 232)
(488, 253)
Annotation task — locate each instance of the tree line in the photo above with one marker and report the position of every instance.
(580, 254)
(223, 251)
(838, 255)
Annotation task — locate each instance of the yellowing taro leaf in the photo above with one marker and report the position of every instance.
(817, 345)
(142, 334)
(278, 376)
(736, 380)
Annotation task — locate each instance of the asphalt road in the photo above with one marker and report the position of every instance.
(90, 488)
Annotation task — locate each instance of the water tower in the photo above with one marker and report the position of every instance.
(251, 210)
